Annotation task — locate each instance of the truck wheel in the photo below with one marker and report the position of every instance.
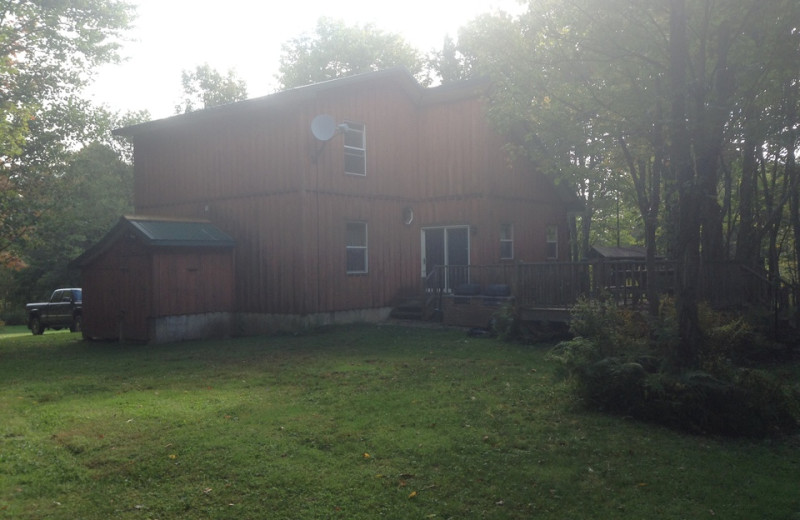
(36, 327)
(77, 323)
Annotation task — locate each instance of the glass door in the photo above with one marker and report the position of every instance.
(447, 247)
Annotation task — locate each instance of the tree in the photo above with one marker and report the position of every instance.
(450, 64)
(205, 87)
(337, 50)
(95, 189)
(47, 53)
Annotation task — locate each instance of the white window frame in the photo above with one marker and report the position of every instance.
(551, 239)
(355, 148)
(363, 248)
(507, 240)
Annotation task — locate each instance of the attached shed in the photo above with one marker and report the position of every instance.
(158, 280)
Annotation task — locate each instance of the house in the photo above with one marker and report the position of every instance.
(343, 196)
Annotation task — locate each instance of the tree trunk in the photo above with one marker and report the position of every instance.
(793, 178)
(687, 246)
(747, 244)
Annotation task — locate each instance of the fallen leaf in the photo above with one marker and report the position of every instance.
(367, 455)
(412, 494)
(207, 490)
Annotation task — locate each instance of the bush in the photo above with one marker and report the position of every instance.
(15, 317)
(749, 404)
(505, 323)
(622, 364)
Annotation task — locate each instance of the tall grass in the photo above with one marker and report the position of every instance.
(357, 422)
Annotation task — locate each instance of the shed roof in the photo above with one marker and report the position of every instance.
(619, 253)
(180, 233)
(161, 232)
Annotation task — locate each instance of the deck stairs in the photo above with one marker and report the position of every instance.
(408, 309)
(417, 308)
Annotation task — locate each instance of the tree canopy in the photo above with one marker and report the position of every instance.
(205, 87)
(47, 53)
(336, 50)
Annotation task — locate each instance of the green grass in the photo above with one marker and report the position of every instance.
(14, 331)
(358, 422)
(10, 331)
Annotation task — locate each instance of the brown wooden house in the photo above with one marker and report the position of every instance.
(341, 227)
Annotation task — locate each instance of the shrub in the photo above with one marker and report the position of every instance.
(612, 330)
(621, 364)
(749, 404)
(505, 322)
(15, 317)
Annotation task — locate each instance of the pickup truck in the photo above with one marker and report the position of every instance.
(65, 309)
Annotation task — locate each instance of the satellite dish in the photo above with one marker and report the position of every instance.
(323, 127)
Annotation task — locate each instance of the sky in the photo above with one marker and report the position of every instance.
(170, 36)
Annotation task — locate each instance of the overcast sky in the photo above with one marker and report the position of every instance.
(246, 35)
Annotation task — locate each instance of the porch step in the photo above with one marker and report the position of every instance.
(410, 309)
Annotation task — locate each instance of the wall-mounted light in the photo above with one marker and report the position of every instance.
(408, 215)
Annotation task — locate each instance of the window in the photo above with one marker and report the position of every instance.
(506, 241)
(552, 242)
(356, 247)
(355, 149)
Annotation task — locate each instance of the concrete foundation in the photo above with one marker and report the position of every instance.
(251, 324)
(227, 324)
(193, 326)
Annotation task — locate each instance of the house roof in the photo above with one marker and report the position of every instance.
(160, 232)
(398, 75)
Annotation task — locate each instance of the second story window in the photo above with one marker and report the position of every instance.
(506, 241)
(355, 149)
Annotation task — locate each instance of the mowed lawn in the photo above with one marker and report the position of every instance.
(358, 422)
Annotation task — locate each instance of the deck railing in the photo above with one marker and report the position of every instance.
(561, 284)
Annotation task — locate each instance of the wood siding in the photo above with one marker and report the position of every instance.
(191, 281)
(117, 293)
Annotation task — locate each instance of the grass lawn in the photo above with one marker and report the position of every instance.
(13, 331)
(357, 422)
(9, 331)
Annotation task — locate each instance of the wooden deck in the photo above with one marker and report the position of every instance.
(466, 295)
